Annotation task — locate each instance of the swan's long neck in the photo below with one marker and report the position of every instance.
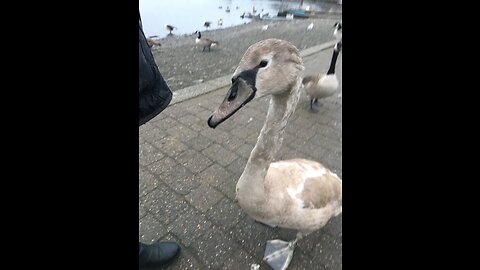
(269, 142)
(331, 70)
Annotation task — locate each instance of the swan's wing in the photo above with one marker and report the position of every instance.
(307, 183)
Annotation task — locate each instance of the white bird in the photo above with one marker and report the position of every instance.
(310, 26)
(220, 22)
(265, 27)
(296, 194)
(322, 85)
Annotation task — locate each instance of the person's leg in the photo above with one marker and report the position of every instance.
(157, 254)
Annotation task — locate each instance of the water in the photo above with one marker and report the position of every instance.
(189, 15)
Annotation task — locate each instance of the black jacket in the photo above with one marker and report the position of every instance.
(154, 94)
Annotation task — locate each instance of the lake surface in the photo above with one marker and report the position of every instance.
(189, 15)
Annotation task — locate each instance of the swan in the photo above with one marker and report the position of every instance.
(295, 194)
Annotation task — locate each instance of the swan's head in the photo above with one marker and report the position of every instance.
(268, 67)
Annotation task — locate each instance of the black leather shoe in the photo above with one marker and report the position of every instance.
(157, 254)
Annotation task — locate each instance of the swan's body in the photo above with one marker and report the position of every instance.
(310, 26)
(296, 194)
(324, 84)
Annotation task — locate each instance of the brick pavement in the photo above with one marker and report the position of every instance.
(188, 173)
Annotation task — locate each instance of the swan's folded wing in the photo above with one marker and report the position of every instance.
(306, 182)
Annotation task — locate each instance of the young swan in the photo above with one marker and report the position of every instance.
(295, 194)
(322, 85)
(205, 42)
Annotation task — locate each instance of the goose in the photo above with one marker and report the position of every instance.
(243, 15)
(322, 85)
(170, 28)
(310, 26)
(227, 9)
(205, 42)
(207, 24)
(295, 194)
(337, 33)
(220, 22)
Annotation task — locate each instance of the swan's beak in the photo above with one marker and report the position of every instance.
(239, 94)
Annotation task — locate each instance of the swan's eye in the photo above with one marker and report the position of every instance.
(263, 63)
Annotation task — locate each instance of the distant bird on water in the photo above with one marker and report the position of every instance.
(220, 22)
(310, 26)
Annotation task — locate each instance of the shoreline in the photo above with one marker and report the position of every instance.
(183, 63)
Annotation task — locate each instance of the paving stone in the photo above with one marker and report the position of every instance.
(203, 197)
(225, 214)
(214, 175)
(181, 180)
(170, 145)
(165, 205)
(189, 226)
(150, 229)
(147, 154)
(193, 160)
(219, 154)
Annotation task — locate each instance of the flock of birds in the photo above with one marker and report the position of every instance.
(206, 42)
(297, 194)
(316, 86)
